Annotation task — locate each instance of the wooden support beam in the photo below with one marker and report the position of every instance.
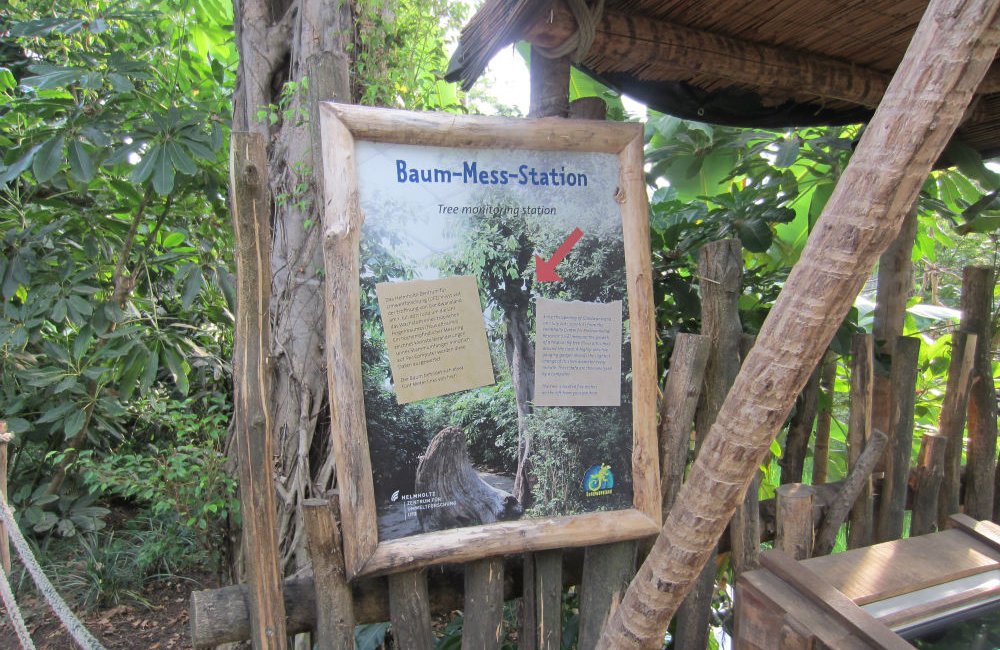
(824, 417)
(662, 50)
(251, 212)
(607, 570)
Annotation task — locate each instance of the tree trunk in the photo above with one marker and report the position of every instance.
(280, 41)
(951, 51)
(521, 361)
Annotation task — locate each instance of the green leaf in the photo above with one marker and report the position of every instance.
(755, 235)
(48, 76)
(80, 305)
(788, 152)
(135, 365)
(146, 164)
(163, 174)
(48, 159)
(7, 81)
(74, 422)
(149, 372)
(181, 160)
(192, 287)
(173, 239)
(18, 167)
(58, 314)
(80, 163)
(176, 366)
(82, 342)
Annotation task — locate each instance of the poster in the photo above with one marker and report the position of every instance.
(526, 413)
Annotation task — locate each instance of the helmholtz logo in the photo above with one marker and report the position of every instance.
(598, 481)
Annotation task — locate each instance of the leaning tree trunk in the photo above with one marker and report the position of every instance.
(281, 42)
(950, 52)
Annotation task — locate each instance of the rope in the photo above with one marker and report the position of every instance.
(76, 629)
(14, 613)
(586, 28)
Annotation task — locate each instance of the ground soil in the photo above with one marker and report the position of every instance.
(160, 624)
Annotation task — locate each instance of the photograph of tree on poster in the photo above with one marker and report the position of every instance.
(523, 228)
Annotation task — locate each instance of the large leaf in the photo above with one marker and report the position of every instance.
(754, 234)
(81, 166)
(48, 159)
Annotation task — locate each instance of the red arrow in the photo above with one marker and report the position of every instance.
(546, 271)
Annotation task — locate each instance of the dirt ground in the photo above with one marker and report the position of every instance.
(160, 626)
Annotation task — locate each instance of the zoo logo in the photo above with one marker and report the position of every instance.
(395, 497)
(598, 481)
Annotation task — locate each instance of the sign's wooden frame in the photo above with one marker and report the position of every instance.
(340, 126)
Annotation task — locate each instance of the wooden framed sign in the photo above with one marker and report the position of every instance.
(490, 337)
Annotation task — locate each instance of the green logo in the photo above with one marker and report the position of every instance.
(598, 481)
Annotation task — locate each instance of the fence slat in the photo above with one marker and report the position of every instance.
(903, 382)
(795, 534)
(607, 571)
(927, 484)
(483, 625)
(334, 607)
(951, 425)
(861, 524)
(410, 611)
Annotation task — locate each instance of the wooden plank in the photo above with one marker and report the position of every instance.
(483, 624)
(548, 134)
(952, 421)
(985, 531)
(977, 316)
(410, 611)
(342, 220)
(251, 214)
(795, 534)
(607, 571)
(927, 484)
(854, 485)
(334, 609)
(549, 590)
(861, 522)
(903, 380)
(891, 568)
(832, 601)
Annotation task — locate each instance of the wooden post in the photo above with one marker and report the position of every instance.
(927, 484)
(903, 382)
(977, 304)
(334, 607)
(824, 416)
(857, 481)
(548, 585)
(859, 426)
(894, 284)
(952, 422)
(251, 412)
(795, 534)
(799, 430)
(483, 625)
(607, 570)
(4, 541)
(680, 399)
(549, 85)
(410, 610)
(720, 269)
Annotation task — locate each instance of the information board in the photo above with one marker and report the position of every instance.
(490, 278)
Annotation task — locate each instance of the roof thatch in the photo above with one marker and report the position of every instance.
(768, 63)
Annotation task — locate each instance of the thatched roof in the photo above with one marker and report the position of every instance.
(769, 63)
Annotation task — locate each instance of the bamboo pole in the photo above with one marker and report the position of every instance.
(950, 52)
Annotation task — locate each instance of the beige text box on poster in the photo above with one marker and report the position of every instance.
(436, 336)
(578, 353)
